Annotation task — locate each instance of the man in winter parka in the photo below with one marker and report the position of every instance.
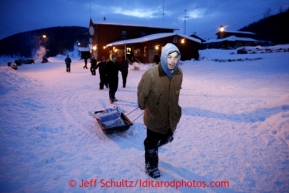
(102, 75)
(158, 95)
(111, 70)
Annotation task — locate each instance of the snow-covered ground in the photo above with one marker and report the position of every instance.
(233, 134)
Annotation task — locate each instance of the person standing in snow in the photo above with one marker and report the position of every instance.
(158, 95)
(111, 69)
(102, 75)
(124, 71)
(156, 60)
(85, 62)
(93, 65)
(67, 62)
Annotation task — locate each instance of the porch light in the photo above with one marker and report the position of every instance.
(157, 47)
(94, 48)
(104, 47)
(183, 41)
(44, 36)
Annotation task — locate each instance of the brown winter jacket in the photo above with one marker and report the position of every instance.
(159, 97)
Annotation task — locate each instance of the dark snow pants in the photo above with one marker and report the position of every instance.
(152, 142)
(113, 85)
(92, 70)
(124, 77)
(103, 81)
(155, 140)
(67, 67)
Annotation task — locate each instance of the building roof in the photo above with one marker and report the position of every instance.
(231, 39)
(150, 38)
(83, 49)
(237, 32)
(161, 26)
(195, 36)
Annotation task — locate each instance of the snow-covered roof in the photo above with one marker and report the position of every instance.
(136, 25)
(83, 49)
(231, 39)
(239, 32)
(150, 38)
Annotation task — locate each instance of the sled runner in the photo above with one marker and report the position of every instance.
(113, 129)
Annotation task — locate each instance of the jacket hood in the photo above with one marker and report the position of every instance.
(169, 48)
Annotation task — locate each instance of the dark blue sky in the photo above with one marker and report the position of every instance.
(203, 17)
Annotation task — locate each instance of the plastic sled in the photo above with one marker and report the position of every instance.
(111, 130)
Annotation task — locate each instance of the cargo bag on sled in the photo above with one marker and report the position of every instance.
(112, 120)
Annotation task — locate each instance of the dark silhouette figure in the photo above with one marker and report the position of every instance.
(124, 71)
(156, 60)
(93, 66)
(85, 62)
(102, 74)
(67, 62)
(111, 69)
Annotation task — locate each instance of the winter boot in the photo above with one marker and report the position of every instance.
(151, 163)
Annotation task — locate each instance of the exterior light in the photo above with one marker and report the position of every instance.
(44, 36)
(94, 48)
(183, 41)
(104, 47)
(222, 28)
(157, 47)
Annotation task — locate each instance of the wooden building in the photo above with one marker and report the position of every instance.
(138, 43)
(231, 39)
(84, 52)
(144, 48)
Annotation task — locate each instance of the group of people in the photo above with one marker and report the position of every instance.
(108, 72)
(157, 94)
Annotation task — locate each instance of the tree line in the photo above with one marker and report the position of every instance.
(274, 28)
(56, 40)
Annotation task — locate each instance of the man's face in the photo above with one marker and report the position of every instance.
(114, 58)
(172, 60)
